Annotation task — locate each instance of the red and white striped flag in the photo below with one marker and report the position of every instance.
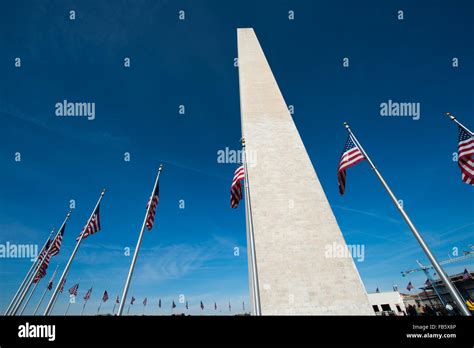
(154, 199)
(132, 300)
(465, 156)
(105, 297)
(56, 246)
(410, 286)
(87, 296)
(236, 187)
(93, 226)
(73, 290)
(44, 266)
(61, 288)
(351, 155)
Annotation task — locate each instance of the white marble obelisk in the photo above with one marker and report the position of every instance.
(293, 222)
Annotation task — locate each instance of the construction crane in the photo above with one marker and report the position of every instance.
(467, 254)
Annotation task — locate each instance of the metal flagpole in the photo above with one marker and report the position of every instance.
(251, 242)
(44, 292)
(49, 307)
(28, 274)
(69, 301)
(115, 303)
(29, 297)
(98, 309)
(447, 282)
(137, 248)
(67, 308)
(29, 281)
(40, 265)
(453, 118)
(85, 301)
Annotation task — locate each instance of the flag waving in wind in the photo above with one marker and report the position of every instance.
(105, 297)
(410, 286)
(73, 290)
(236, 187)
(93, 226)
(87, 296)
(61, 288)
(351, 155)
(154, 199)
(56, 246)
(466, 156)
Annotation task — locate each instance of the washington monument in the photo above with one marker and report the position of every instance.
(293, 223)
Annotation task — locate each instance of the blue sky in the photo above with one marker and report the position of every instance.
(191, 251)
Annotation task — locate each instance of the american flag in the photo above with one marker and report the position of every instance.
(132, 300)
(93, 226)
(145, 301)
(154, 199)
(351, 155)
(105, 297)
(202, 306)
(87, 296)
(187, 305)
(410, 286)
(44, 252)
(377, 290)
(159, 303)
(428, 282)
(236, 187)
(215, 306)
(50, 284)
(61, 288)
(466, 275)
(57, 242)
(44, 259)
(73, 290)
(173, 305)
(230, 307)
(465, 156)
(117, 300)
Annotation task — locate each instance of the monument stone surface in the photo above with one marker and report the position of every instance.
(293, 221)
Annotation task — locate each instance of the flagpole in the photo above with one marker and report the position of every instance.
(29, 297)
(85, 301)
(68, 304)
(115, 303)
(453, 118)
(98, 309)
(137, 248)
(251, 242)
(30, 281)
(44, 292)
(447, 282)
(28, 274)
(49, 307)
(40, 265)
(54, 303)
